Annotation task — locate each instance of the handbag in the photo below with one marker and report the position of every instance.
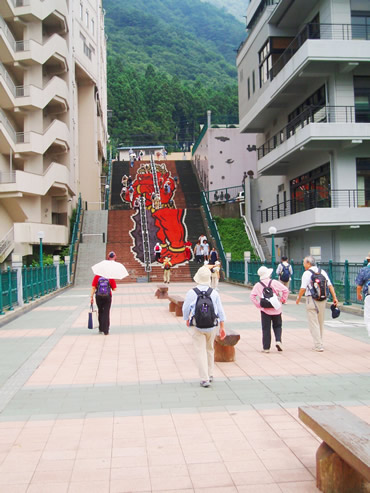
(90, 322)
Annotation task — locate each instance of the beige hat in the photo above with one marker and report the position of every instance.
(264, 272)
(203, 276)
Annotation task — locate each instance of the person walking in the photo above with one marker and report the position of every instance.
(205, 249)
(188, 249)
(270, 311)
(363, 291)
(203, 337)
(315, 307)
(215, 274)
(167, 264)
(102, 288)
(213, 257)
(157, 251)
(198, 252)
(284, 271)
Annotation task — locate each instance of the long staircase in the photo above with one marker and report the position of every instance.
(122, 219)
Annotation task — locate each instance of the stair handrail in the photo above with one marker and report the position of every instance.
(6, 241)
(213, 228)
(249, 229)
(145, 235)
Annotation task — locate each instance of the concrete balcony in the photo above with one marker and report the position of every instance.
(8, 135)
(54, 94)
(52, 54)
(57, 134)
(28, 233)
(22, 183)
(298, 65)
(318, 218)
(27, 9)
(318, 208)
(317, 128)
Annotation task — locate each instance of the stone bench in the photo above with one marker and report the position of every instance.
(343, 458)
(175, 306)
(225, 348)
(162, 292)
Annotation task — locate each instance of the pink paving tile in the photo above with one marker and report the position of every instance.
(257, 488)
(47, 488)
(252, 477)
(171, 482)
(130, 473)
(223, 489)
(90, 475)
(287, 475)
(245, 466)
(213, 480)
(52, 476)
(88, 487)
(130, 485)
(299, 487)
(54, 465)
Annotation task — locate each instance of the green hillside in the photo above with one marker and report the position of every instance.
(169, 61)
(237, 8)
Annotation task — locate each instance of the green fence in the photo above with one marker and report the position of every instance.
(341, 274)
(8, 290)
(213, 228)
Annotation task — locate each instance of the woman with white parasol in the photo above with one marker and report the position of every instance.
(102, 286)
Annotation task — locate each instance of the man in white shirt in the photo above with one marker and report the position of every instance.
(315, 308)
(203, 339)
(284, 271)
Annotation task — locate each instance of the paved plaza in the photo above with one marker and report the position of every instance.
(82, 412)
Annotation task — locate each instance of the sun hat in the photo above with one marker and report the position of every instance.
(335, 312)
(203, 276)
(264, 272)
(111, 256)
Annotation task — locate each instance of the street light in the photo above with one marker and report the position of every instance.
(41, 236)
(272, 232)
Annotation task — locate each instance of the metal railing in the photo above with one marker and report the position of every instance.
(22, 45)
(341, 274)
(20, 3)
(227, 194)
(319, 31)
(213, 228)
(320, 198)
(6, 241)
(314, 114)
(8, 177)
(74, 239)
(9, 127)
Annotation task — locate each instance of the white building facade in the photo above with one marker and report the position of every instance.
(53, 125)
(304, 88)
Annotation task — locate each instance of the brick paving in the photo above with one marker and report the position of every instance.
(125, 413)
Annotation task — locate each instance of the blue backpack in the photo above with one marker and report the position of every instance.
(285, 273)
(103, 288)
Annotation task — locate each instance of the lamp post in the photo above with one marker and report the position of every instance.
(41, 236)
(272, 231)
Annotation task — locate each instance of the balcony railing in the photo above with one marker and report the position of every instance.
(16, 45)
(312, 199)
(319, 31)
(9, 127)
(20, 3)
(17, 91)
(314, 114)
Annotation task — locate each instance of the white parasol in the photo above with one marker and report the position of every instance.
(110, 269)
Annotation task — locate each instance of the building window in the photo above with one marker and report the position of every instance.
(363, 181)
(81, 11)
(249, 88)
(269, 55)
(361, 87)
(93, 26)
(253, 81)
(360, 25)
(311, 190)
(312, 110)
(87, 19)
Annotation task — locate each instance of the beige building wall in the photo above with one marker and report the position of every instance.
(53, 125)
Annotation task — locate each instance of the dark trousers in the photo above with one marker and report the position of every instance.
(199, 259)
(103, 303)
(266, 328)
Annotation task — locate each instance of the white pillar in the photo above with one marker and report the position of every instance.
(247, 258)
(67, 261)
(17, 265)
(209, 112)
(56, 260)
(228, 259)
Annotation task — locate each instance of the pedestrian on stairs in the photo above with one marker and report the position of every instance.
(157, 251)
(167, 264)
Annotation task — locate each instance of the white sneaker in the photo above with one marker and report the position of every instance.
(205, 383)
(265, 350)
(319, 349)
(279, 346)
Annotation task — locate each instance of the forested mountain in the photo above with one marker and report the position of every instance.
(237, 8)
(168, 62)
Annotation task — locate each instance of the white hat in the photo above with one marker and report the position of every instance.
(264, 272)
(217, 262)
(203, 276)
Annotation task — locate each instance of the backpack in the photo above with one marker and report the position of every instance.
(204, 314)
(267, 293)
(285, 273)
(103, 288)
(319, 286)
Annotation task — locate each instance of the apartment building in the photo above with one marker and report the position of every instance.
(53, 127)
(304, 88)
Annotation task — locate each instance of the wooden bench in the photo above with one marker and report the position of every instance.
(175, 306)
(343, 458)
(162, 292)
(225, 348)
